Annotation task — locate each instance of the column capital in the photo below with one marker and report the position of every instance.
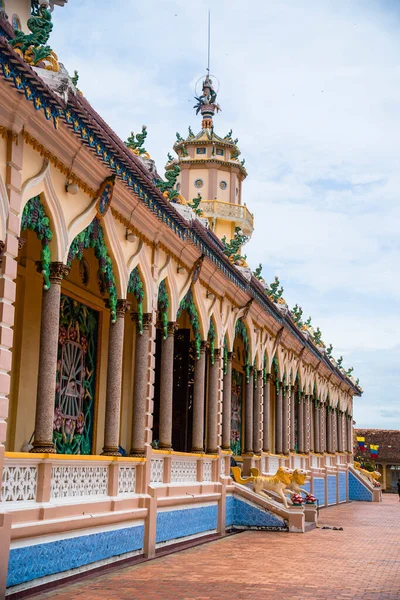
(204, 344)
(122, 307)
(267, 376)
(172, 328)
(260, 373)
(58, 271)
(147, 319)
(217, 353)
(231, 356)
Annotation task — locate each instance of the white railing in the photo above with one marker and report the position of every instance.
(157, 470)
(183, 471)
(19, 483)
(126, 480)
(271, 464)
(207, 470)
(222, 466)
(229, 212)
(314, 461)
(77, 481)
(297, 462)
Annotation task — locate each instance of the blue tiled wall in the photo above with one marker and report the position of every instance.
(331, 489)
(174, 524)
(307, 486)
(357, 490)
(342, 487)
(319, 490)
(242, 513)
(30, 562)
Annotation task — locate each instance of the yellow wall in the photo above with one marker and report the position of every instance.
(22, 8)
(224, 228)
(223, 195)
(198, 174)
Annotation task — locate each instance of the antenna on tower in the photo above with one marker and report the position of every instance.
(209, 42)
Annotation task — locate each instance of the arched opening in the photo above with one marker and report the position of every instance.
(187, 341)
(240, 374)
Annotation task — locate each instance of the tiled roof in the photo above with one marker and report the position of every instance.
(388, 441)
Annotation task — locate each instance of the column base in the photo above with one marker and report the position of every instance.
(139, 453)
(212, 451)
(110, 452)
(42, 448)
(266, 450)
(226, 448)
(198, 450)
(165, 447)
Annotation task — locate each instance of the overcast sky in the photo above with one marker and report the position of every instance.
(312, 90)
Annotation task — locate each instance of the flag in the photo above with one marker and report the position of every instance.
(374, 449)
(361, 442)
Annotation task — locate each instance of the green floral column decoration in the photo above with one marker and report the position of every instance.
(275, 371)
(225, 356)
(135, 287)
(189, 305)
(265, 369)
(211, 338)
(34, 217)
(93, 237)
(241, 331)
(163, 304)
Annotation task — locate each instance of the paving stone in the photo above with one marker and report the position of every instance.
(362, 562)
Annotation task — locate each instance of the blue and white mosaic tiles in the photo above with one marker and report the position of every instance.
(175, 524)
(342, 487)
(38, 560)
(331, 489)
(357, 490)
(319, 490)
(243, 513)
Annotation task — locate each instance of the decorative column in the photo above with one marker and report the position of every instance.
(350, 434)
(307, 423)
(302, 424)
(212, 413)
(227, 405)
(292, 420)
(285, 419)
(140, 385)
(266, 415)
(317, 427)
(114, 381)
(328, 428)
(46, 388)
(339, 431)
(199, 400)
(248, 425)
(257, 413)
(166, 388)
(323, 428)
(278, 419)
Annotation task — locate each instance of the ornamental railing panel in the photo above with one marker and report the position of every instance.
(207, 470)
(157, 470)
(19, 483)
(228, 211)
(183, 471)
(126, 480)
(75, 481)
(314, 461)
(297, 462)
(222, 466)
(271, 464)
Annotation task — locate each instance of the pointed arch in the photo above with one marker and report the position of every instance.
(242, 332)
(168, 276)
(201, 309)
(139, 260)
(116, 255)
(189, 305)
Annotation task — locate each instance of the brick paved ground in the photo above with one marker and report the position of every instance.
(360, 563)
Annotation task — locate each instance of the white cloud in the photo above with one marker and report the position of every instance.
(313, 96)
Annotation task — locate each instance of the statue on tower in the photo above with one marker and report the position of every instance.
(206, 102)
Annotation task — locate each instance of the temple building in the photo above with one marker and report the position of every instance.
(139, 352)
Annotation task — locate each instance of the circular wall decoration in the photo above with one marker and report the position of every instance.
(198, 183)
(16, 22)
(223, 185)
(178, 187)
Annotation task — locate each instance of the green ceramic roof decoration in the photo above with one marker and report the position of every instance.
(171, 175)
(135, 287)
(189, 305)
(194, 205)
(228, 135)
(274, 291)
(232, 248)
(235, 154)
(33, 46)
(135, 143)
(242, 162)
(307, 323)
(93, 237)
(179, 138)
(241, 331)
(329, 351)
(257, 272)
(211, 339)
(297, 313)
(191, 134)
(339, 362)
(317, 336)
(163, 304)
(75, 78)
(349, 371)
(184, 152)
(34, 217)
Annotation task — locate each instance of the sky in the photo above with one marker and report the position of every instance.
(312, 90)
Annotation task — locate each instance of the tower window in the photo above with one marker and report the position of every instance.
(223, 185)
(16, 22)
(198, 183)
(178, 187)
(200, 150)
(220, 152)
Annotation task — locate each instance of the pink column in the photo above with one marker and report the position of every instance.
(166, 388)
(278, 419)
(212, 413)
(227, 405)
(292, 423)
(248, 410)
(301, 426)
(140, 386)
(257, 400)
(266, 415)
(114, 381)
(199, 400)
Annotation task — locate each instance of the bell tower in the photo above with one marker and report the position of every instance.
(210, 166)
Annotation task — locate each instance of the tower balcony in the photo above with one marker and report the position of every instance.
(226, 211)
